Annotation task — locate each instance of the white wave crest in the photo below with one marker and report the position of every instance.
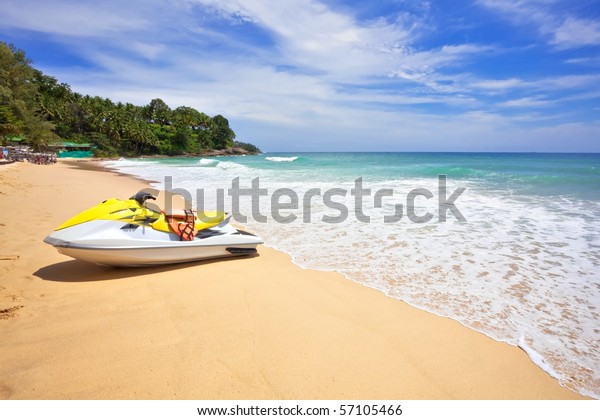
(281, 159)
(230, 165)
(208, 162)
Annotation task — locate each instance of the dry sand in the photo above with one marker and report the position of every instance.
(252, 328)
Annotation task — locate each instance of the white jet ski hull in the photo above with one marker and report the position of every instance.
(118, 244)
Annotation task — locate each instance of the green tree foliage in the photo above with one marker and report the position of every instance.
(157, 112)
(221, 135)
(247, 146)
(55, 102)
(19, 103)
(40, 109)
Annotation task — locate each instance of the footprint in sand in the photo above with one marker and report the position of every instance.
(9, 312)
(5, 391)
(9, 304)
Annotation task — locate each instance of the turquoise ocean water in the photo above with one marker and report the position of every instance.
(523, 267)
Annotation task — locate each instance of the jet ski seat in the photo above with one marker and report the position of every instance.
(178, 213)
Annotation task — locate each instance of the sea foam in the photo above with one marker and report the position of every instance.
(281, 159)
(208, 162)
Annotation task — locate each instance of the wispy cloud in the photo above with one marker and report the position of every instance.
(498, 86)
(314, 38)
(527, 102)
(308, 38)
(577, 32)
(547, 84)
(584, 61)
(561, 28)
(70, 18)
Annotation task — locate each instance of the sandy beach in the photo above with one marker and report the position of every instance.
(251, 328)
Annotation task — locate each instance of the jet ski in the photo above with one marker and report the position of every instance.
(134, 233)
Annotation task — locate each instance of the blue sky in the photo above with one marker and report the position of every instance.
(329, 75)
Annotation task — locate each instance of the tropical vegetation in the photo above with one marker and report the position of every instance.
(38, 109)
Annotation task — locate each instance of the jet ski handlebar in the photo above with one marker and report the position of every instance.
(142, 196)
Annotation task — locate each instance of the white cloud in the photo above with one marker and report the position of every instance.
(69, 17)
(564, 31)
(584, 61)
(147, 50)
(528, 102)
(577, 33)
(521, 11)
(496, 85)
(579, 81)
(314, 37)
(426, 67)
(309, 37)
(547, 85)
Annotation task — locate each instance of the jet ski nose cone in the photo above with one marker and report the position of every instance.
(55, 241)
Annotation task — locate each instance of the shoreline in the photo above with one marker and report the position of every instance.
(246, 328)
(232, 151)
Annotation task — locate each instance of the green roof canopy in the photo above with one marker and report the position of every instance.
(68, 144)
